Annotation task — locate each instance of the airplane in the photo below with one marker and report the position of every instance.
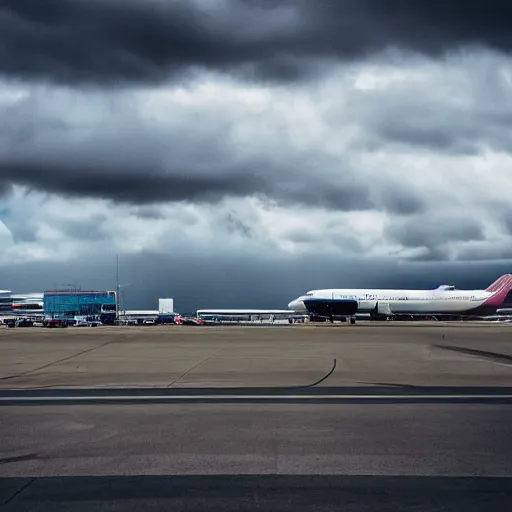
(444, 300)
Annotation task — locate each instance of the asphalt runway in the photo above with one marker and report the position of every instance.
(365, 417)
(376, 354)
(205, 439)
(256, 457)
(257, 493)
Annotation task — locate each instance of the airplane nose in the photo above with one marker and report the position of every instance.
(295, 305)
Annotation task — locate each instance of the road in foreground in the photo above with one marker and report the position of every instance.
(396, 451)
(354, 456)
(256, 494)
(357, 439)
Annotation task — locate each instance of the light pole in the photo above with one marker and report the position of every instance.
(120, 288)
(74, 288)
(117, 287)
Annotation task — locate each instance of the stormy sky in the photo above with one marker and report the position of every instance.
(239, 153)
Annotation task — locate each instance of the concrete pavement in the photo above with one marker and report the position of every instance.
(395, 452)
(256, 494)
(374, 354)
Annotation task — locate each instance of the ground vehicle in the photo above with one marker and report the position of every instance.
(55, 322)
(192, 321)
(24, 322)
(168, 318)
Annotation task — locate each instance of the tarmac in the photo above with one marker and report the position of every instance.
(372, 416)
(371, 354)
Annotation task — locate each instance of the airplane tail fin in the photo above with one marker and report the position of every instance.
(499, 289)
(501, 281)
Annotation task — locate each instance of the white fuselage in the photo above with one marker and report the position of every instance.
(442, 300)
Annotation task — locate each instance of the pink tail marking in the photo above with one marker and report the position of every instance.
(499, 290)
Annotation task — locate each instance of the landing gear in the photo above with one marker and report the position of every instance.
(346, 320)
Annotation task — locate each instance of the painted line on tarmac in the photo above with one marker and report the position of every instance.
(91, 399)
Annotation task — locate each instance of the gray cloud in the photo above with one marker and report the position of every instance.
(149, 212)
(147, 185)
(442, 126)
(137, 185)
(433, 232)
(5, 188)
(504, 214)
(463, 107)
(317, 190)
(123, 41)
(239, 281)
(89, 230)
(21, 230)
(324, 236)
(236, 225)
(399, 200)
(125, 157)
(398, 150)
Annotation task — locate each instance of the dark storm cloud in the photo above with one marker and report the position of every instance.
(154, 185)
(433, 233)
(217, 280)
(400, 201)
(487, 254)
(329, 235)
(149, 212)
(463, 106)
(236, 225)
(334, 194)
(91, 229)
(445, 128)
(21, 230)
(505, 215)
(421, 132)
(151, 184)
(5, 188)
(127, 157)
(97, 41)
(138, 185)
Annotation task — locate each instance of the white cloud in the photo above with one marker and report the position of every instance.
(308, 141)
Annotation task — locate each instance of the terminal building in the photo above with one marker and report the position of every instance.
(30, 304)
(90, 305)
(26, 304)
(5, 303)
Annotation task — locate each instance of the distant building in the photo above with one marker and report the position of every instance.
(5, 304)
(165, 306)
(92, 304)
(26, 304)
(137, 316)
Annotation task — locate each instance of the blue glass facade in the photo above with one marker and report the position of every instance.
(5, 304)
(68, 304)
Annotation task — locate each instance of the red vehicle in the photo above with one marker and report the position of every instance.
(55, 322)
(192, 321)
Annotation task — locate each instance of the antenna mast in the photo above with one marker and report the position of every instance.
(117, 286)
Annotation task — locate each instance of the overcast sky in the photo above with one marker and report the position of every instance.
(239, 153)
